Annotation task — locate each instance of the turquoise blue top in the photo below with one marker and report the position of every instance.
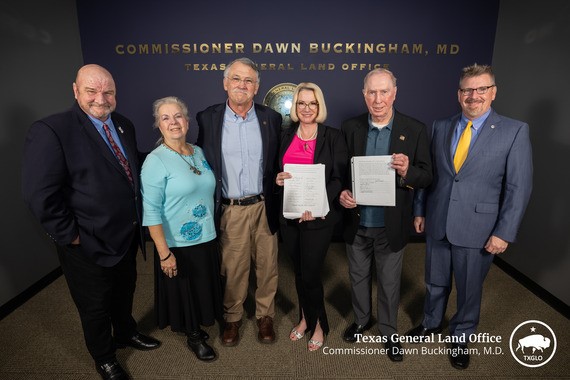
(176, 197)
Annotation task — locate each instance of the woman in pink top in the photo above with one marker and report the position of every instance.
(307, 239)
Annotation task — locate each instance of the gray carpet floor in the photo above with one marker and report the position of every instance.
(43, 340)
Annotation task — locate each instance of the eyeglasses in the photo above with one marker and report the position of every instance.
(311, 105)
(238, 80)
(480, 90)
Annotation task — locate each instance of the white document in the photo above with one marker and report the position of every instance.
(373, 181)
(305, 191)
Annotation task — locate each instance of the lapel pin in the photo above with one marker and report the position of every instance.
(493, 126)
(402, 137)
(120, 129)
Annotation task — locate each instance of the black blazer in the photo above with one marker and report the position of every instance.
(410, 138)
(74, 184)
(330, 150)
(210, 122)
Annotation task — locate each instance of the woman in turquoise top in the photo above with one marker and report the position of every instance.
(178, 200)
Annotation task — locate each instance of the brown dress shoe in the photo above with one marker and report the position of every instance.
(231, 333)
(266, 332)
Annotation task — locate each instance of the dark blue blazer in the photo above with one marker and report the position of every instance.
(210, 122)
(75, 186)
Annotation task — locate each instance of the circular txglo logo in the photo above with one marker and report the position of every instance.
(533, 343)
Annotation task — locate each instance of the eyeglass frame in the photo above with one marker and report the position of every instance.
(480, 90)
(311, 105)
(237, 80)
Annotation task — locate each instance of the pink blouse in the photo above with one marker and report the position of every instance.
(300, 152)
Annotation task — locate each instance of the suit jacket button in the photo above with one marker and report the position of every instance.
(456, 180)
(135, 223)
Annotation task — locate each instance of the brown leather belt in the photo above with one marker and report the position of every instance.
(245, 201)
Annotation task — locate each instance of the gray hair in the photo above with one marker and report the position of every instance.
(380, 71)
(246, 61)
(167, 100)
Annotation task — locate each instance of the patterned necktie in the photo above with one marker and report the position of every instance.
(462, 147)
(122, 160)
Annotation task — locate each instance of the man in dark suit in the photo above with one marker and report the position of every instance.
(240, 140)
(473, 209)
(376, 232)
(80, 178)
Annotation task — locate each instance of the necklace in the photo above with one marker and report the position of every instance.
(191, 165)
(306, 144)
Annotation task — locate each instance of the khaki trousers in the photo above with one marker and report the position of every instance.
(245, 238)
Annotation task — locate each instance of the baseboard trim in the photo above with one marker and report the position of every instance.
(529, 284)
(23, 297)
(532, 286)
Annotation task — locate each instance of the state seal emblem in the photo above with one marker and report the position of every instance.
(280, 98)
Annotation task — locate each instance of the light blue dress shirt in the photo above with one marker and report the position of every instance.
(475, 129)
(242, 155)
(99, 126)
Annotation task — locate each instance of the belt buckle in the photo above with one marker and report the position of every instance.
(245, 201)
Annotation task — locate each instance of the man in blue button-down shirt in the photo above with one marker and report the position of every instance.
(472, 211)
(240, 141)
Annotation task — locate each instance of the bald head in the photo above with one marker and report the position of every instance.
(95, 92)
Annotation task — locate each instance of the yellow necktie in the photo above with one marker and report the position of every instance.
(462, 147)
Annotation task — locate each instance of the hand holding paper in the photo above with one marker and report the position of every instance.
(305, 191)
(373, 180)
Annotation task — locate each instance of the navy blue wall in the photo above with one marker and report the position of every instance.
(410, 32)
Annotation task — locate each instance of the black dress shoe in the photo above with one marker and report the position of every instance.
(422, 331)
(459, 356)
(200, 348)
(140, 342)
(394, 351)
(350, 333)
(112, 371)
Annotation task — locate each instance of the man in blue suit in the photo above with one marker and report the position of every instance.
(481, 186)
(80, 178)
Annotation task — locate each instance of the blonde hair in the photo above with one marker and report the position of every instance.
(322, 115)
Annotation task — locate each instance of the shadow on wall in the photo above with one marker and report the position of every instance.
(22, 232)
(549, 206)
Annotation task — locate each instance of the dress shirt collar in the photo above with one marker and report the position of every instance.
(229, 113)
(372, 127)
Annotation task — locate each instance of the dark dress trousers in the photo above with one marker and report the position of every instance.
(75, 186)
(307, 243)
(408, 136)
